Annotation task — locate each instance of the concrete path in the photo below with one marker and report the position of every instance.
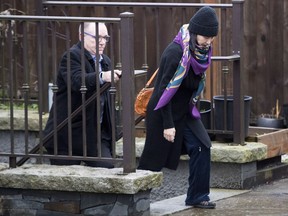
(269, 200)
(176, 204)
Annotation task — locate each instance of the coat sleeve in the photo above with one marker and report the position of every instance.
(168, 66)
(76, 71)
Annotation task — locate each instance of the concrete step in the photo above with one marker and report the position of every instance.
(177, 204)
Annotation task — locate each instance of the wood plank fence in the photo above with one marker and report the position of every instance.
(264, 60)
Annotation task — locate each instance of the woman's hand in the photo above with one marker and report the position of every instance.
(106, 75)
(169, 134)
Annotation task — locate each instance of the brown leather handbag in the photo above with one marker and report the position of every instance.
(143, 97)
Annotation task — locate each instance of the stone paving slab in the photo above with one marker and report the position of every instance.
(177, 204)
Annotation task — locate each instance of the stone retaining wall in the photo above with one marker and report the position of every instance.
(75, 190)
(50, 203)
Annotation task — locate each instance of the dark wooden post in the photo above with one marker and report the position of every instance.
(128, 89)
(238, 97)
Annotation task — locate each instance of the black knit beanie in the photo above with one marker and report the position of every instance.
(204, 22)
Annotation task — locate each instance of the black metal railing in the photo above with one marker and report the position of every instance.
(22, 22)
(230, 39)
(236, 9)
(45, 30)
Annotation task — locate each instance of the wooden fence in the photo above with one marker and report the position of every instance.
(264, 61)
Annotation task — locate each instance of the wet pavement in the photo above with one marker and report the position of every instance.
(270, 199)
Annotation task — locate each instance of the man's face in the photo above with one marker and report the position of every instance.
(90, 41)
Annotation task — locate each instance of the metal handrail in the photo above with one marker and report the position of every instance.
(134, 4)
(226, 58)
(59, 18)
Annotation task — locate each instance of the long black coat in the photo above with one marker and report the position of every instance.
(76, 101)
(158, 152)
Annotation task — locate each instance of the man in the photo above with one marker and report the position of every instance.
(61, 95)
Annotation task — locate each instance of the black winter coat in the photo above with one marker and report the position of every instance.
(158, 152)
(76, 101)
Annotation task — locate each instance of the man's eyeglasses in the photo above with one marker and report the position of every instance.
(106, 37)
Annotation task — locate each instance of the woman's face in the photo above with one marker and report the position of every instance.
(204, 41)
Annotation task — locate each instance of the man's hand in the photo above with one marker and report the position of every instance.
(106, 75)
(169, 134)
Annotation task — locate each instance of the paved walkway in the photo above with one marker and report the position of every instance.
(269, 200)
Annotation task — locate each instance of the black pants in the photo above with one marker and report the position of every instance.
(199, 169)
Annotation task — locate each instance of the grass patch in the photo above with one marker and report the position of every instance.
(20, 106)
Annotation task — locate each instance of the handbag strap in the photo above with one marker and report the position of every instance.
(151, 78)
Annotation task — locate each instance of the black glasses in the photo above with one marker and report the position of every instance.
(106, 37)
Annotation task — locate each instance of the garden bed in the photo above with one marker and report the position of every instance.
(275, 139)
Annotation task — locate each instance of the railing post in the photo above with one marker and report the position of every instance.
(42, 59)
(145, 65)
(128, 89)
(11, 68)
(238, 107)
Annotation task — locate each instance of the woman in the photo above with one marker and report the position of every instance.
(173, 122)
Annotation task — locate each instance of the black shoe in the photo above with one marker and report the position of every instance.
(205, 205)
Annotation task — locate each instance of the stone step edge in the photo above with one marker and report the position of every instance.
(220, 152)
(78, 178)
